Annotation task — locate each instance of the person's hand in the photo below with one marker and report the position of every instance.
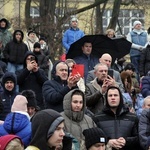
(30, 65)
(111, 81)
(35, 67)
(114, 143)
(104, 86)
(72, 80)
(121, 141)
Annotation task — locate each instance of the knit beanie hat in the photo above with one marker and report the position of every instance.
(9, 76)
(31, 98)
(37, 45)
(31, 31)
(19, 104)
(136, 22)
(93, 136)
(4, 140)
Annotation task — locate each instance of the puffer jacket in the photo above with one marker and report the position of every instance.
(145, 86)
(76, 122)
(122, 124)
(145, 61)
(144, 128)
(14, 51)
(18, 124)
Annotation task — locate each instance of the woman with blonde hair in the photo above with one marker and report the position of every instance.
(110, 33)
(11, 142)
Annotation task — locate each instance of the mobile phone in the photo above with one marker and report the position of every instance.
(111, 73)
(78, 68)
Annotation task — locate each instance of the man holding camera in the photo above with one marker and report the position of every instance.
(96, 89)
(32, 77)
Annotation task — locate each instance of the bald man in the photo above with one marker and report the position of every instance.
(106, 59)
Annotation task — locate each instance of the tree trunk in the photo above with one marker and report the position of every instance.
(27, 13)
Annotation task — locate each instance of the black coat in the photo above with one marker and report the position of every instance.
(32, 81)
(145, 62)
(124, 124)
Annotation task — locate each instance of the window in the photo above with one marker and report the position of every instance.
(34, 12)
(126, 19)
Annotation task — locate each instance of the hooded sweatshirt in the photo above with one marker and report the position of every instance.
(76, 122)
(41, 123)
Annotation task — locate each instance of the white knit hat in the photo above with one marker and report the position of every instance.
(19, 104)
(136, 22)
(74, 19)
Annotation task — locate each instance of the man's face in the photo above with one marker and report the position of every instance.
(3, 24)
(30, 58)
(9, 85)
(77, 103)
(101, 73)
(74, 24)
(56, 139)
(87, 48)
(138, 26)
(18, 36)
(32, 35)
(98, 146)
(106, 59)
(31, 111)
(62, 71)
(113, 98)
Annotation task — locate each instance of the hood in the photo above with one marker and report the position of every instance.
(53, 72)
(26, 55)
(9, 76)
(7, 23)
(15, 122)
(121, 105)
(14, 34)
(44, 124)
(33, 40)
(75, 116)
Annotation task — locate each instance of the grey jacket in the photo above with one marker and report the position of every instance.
(91, 76)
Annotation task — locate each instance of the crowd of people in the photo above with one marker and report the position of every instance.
(106, 108)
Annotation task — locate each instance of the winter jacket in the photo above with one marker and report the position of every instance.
(122, 124)
(89, 63)
(8, 96)
(14, 51)
(5, 34)
(30, 42)
(139, 38)
(145, 62)
(32, 80)
(91, 76)
(54, 91)
(70, 36)
(18, 124)
(94, 98)
(76, 122)
(144, 128)
(145, 86)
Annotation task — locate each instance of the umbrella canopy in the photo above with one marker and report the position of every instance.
(116, 47)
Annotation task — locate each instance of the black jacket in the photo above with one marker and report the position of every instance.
(145, 62)
(14, 51)
(32, 80)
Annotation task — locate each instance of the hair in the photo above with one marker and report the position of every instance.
(99, 64)
(86, 41)
(110, 30)
(78, 92)
(126, 75)
(15, 144)
(70, 61)
(145, 99)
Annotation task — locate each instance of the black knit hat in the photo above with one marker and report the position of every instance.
(31, 31)
(93, 136)
(31, 98)
(37, 45)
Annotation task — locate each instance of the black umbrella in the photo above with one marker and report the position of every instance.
(116, 47)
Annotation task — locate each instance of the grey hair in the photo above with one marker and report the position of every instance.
(99, 64)
(145, 99)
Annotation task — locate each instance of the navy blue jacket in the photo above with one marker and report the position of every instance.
(145, 86)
